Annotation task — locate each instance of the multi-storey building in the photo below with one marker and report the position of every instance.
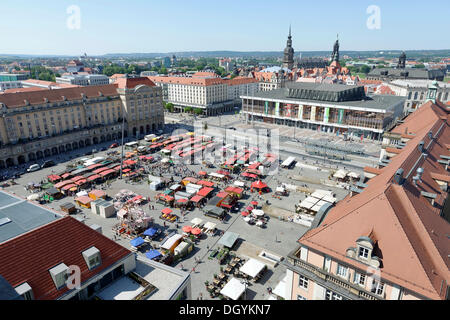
(66, 246)
(47, 122)
(415, 91)
(6, 85)
(327, 107)
(84, 80)
(143, 105)
(210, 93)
(13, 76)
(388, 239)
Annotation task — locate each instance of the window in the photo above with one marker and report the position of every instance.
(299, 297)
(360, 279)
(59, 275)
(330, 295)
(303, 282)
(363, 253)
(341, 271)
(92, 257)
(377, 287)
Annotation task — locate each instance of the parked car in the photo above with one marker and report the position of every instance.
(48, 163)
(102, 148)
(33, 167)
(94, 150)
(114, 145)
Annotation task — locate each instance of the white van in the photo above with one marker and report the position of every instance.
(149, 137)
(33, 167)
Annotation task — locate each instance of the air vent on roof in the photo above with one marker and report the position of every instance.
(4, 221)
(398, 177)
(420, 146)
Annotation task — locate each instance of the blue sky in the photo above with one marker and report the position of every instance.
(111, 26)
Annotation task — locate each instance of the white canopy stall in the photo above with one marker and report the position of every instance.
(196, 222)
(252, 268)
(233, 289)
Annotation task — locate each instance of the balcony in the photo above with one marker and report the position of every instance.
(327, 279)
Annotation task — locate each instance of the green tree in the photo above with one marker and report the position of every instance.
(188, 109)
(365, 69)
(419, 66)
(169, 106)
(198, 111)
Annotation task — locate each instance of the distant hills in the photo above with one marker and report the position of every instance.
(249, 54)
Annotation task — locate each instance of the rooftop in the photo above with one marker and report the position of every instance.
(18, 216)
(29, 257)
(21, 99)
(404, 223)
(336, 94)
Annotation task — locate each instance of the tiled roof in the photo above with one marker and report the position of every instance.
(15, 100)
(131, 83)
(412, 239)
(187, 81)
(28, 258)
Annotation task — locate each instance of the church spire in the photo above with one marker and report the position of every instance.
(288, 59)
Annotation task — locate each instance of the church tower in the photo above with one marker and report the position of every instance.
(288, 59)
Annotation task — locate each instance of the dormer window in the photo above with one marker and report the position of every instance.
(92, 257)
(25, 291)
(59, 275)
(363, 253)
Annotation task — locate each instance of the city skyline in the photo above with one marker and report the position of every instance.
(73, 27)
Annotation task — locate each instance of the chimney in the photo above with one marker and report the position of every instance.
(420, 146)
(398, 177)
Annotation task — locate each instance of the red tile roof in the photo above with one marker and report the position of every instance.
(411, 236)
(16, 100)
(131, 83)
(27, 258)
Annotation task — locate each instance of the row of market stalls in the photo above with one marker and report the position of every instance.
(319, 200)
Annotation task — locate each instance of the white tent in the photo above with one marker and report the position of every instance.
(216, 175)
(258, 213)
(280, 189)
(330, 199)
(82, 193)
(252, 267)
(171, 241)
(280, 289)
(353, 175)
(340, 174)
(239, 183)
(196, 221)
(233, 289)
(122, 213)
(209, 226)
(33, 197)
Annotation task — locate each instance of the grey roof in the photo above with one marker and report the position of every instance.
(376, 102)
(228, 239)
(407, 73)
(24, 216)
(7, 292)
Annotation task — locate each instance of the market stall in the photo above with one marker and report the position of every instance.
(84, 201)
(234, 289)
(253, 268)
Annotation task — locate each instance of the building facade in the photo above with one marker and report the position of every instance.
(84, 80)
(142, 103)
(388, 239)
(210, 93)
(415, 92)
(38, 124)
(327, 107)
(6, 85)
(13, 76)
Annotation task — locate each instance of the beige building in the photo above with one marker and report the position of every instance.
(388, 239)
(210, 93)
(38, 124)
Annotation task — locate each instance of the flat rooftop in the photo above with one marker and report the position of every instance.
(375, 102)
(166, 279)
(18, 216)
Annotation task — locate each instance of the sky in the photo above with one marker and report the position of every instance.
(72, 27)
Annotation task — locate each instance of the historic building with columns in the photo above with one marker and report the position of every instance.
(39, 124)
